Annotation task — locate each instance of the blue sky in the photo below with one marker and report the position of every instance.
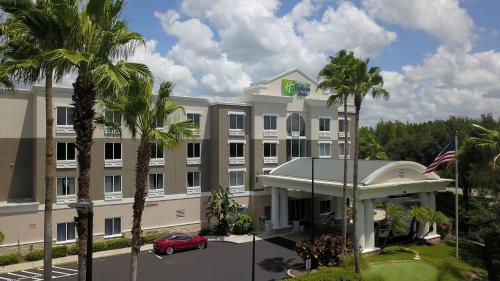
(434, 54)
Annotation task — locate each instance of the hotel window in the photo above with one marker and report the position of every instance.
(296, 137)
(112, 187)
(66, 232)
(325, 150)
(159, 122)
(157, 156)
(193, 153)
(324, 207)
(236, 153)
(270, 125)
(113, 154)
(236, 123)
(66, 155)
(324, 127)
(112, 227)
(155, 186)
(270, 153)
(114, 117)
(195, 117)
(193, 182)
(65, 190)
(343, 126)
(341, 150)
(236, 181)
(64, 120)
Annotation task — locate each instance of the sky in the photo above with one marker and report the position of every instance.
(438, 57)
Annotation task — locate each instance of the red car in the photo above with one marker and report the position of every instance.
(179, 241)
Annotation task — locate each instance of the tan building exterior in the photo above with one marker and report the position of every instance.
(237, 141)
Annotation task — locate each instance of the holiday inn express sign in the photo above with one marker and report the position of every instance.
(292, 87)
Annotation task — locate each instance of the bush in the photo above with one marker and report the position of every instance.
(205, 231)
(34, 255)
(2, 237)
(449, 271)
(308, 250)
(239, 224)
(150, 237)
(59, 251)
(329, 249)
(444, 229)
(73, 250)
(9, 259)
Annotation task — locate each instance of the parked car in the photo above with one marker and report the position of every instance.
(179, 241)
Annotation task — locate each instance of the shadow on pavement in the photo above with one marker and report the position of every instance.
(283, 242)
(276, 264)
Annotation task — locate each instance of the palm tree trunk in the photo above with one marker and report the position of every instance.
(344, 187)
(355, 189)
(142, 170)
(49, 177)
(84, 98)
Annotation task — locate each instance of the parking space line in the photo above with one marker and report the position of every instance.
(33, 274)
(7, 279)
(24, 276)
(155, 255)
(63, 268)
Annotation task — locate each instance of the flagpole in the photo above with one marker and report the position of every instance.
(456, 193)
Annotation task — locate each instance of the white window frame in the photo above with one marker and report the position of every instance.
(113, 195)
(193, 160)
(348, 151)
(157, 161)
(195, 132)
(236, 160)
(113, 225)
(346, 125)
(269, 132)
(66, 232)
(156, 192)
(196, 189)
(110, 130)
(65, 163)
(66, 198)
(236, 131)
(330, 207)
(236, 188)
(324, 134)
(270, 159)
(319, 149)
(64, 128)
(112, 163)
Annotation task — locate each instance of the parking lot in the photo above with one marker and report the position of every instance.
(220, 261)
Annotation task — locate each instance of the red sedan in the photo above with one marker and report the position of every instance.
(178, 241)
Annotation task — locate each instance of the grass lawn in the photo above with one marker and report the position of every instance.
(404, 270)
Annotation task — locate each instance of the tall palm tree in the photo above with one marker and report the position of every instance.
(30, 31)
(100, 40)
(140, 114)
(362, 81)
(333, 76)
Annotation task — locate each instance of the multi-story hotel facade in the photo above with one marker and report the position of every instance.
(274, 120)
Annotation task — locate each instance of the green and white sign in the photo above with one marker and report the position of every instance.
(292, 87)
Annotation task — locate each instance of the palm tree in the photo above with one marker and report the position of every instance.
(140, 114)
(333, 76)
(362, 81)
(30, 31)
(99, 40)
(487, 140)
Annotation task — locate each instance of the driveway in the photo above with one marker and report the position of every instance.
(220, 261)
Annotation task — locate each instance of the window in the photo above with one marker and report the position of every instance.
(236, 153)
(343, 126)
(295, 125)
(116, 118)
(193, 182)
(324, 207)
(193, 153)
(324, 124)
(64, 116)
(295, 148)
(113, 154)
(156, 151)
(325, 150)
(296, 134)
(159, 122)
(112, 184)
(66, 232)
(236, 121)
(236, 181)
(270, 154)
(195, 117)
(155, 181)
(270, 122)
(65, 155)
(341, 150)
(66, 186)
(112, 227)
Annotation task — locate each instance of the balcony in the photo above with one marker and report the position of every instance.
(65, 129)
(113, 163)
(193, 161)
(270, 133)
(342, 134)
(196, 132)
(65, 199)
(237, 132)
(157, 162)
(66, 164)
(193, 190)
(325, 134)
(236, 160)
(156, 193)
(113, 196)
(237, 189)
(111, 132)
(271, 160)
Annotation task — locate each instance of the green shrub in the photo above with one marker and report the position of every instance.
(2, 237)
(205, 231)
(329, 274)
(449, 271)
(9, 259)
(73, 250)
(329, 249)
(34, 255)
(59, 251)
(150, 237)
(99, 246)
(239, 224)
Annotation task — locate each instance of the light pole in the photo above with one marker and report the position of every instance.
(261, 222)
(87, 208)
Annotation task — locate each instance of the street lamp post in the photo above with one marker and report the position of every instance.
(87, 207)
(261, 222)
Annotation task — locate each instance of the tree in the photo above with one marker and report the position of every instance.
(333, 76)
(361, 81)
(369, 147)
(394, 222)
(223, 207)
(29, 32)
(100, 38)
(424, 215)
(140, 114)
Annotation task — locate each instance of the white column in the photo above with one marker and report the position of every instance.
(275, 205)
(337, 202)
(431, 198)
(423, 228)
(283, 207)
(360, 225)
(369, 228)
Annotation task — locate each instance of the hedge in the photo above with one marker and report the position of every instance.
(34, 255)
(9, 259)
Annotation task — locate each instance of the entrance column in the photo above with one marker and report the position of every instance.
(337, 202)
(360, 225)
(369, 228)
(423, 228)
(431, 198)
(283, 207)
(275, 203)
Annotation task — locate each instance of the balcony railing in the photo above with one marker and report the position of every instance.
(157, 162)
(110, 196)
(193, 190)
(113, 163)
(65, 129)
(270, 133)
(65, 199)
(66, 164)
(271, 160)
(193, 160)
(236, 132)
(236, 160)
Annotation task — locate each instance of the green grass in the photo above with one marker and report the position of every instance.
(404, 270)
(390, 253)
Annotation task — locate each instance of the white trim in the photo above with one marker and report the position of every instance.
(319, 149)
(66, 164)
(270, 114)
(237, 170)
(193, 160)
(270, 141)
(325, 141)
(157, 192)
(236, 113)
(270, 133)
(157, 162)
(237, 141)
(114, 195)
(237, 132)
(236, 160)
(113, 163)
(121, 228)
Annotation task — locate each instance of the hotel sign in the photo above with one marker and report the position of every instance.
(292, 87)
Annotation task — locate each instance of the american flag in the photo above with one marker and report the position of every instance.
(445, 156)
